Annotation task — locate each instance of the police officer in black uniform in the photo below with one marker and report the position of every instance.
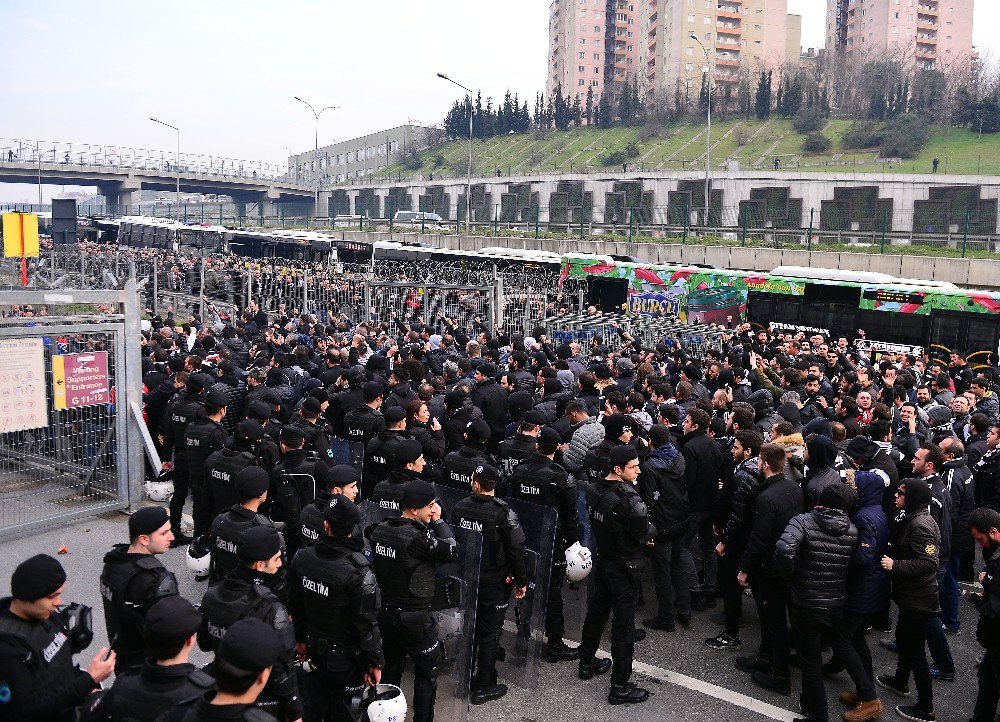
(295, 481)
(521, 446)
(167, 678)
(204, 436)
(182, 409)
(242, 668)
(133, 580)
(409, 465)
(362, 423)
(221, 468)
(458, 466)
(314, 428)
(268, 454)
(38, 680)
(621, 529)
(502, 569)
(251, 488)
(248, 593)
(540, 480)
(335, 601)
(342, 479)
(380, 453)
(405, 552)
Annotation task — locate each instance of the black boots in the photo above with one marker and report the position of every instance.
(627, 694)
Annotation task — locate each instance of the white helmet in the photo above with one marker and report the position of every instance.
(387, 704)
(160, 489)
(198, 557)
(579, 562)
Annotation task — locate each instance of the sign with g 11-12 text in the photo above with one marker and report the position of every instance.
(80, 379)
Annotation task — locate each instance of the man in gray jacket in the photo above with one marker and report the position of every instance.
(587, 433)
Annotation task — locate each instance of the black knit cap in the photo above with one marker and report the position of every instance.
(408, 451)
(342, 475)
(342, 511)
(172, 618)
(37, 577)
(418, 494)
(620, 456)
(548, 437)
(259, 543)
(487, 473)
(291, 436)
(259, 411)
(251, 482)
(251, 645)
(147, 520)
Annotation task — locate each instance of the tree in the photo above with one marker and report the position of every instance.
(606, 114)
(762, 104)
(589, 112)
(577, 111)
(561, 112)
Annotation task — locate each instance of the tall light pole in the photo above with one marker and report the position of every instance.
(708, 140)
(316, 114)
(177, 161)
(468, 184)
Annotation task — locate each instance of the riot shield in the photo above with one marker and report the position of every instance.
(356, 458)
(456, 594)
(575, 594)
(340, 450)
(521, 638)
(447, 497)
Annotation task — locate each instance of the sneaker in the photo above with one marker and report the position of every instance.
(723, 641)
(850, 699)
(910, 711)
(943, 676)
(781, 684)
(684, 618)
(663, 625)
(889, 682)
(864, 711)
(482, 696)
(592, 667)
(753, 664)
(627, 694)
(562, 653)
(720, 619)
(884, 625)
(638, 635)
(889, 644)
(953, 631)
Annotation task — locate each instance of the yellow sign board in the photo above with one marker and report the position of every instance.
(20, 235)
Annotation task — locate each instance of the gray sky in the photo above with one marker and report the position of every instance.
(225, 71)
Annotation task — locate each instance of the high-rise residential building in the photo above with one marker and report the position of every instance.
(931, 32)
(593, 44)
(739, 35)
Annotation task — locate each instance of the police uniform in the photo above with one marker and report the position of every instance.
(295, 482)
(539, 480)
(405, 553)
(317, 434)
(203, 437)
(38, 680)
(181, 410)
(596, 465)
(380, 458)
(226, 530)
(459, 466)
(244, 594)
(335, 600)
(361, 424)
(502, 565)
(388, 494)
(221, 469)
(621, 528)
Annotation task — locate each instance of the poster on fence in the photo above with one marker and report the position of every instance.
(80, 379)
(22, 385)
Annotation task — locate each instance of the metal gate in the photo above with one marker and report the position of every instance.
(71, 429)
(433, 304)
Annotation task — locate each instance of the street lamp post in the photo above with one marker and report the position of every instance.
(316, 114)
(177, 160)
(708, 140)
(468, 185)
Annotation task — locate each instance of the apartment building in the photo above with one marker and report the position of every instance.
(593, 45)
(738, 36)
(931, 32)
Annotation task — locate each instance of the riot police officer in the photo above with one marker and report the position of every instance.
(458, 466)
(380, 453)
(295, 482)
(204, 436)
(38, 680)
(167, 678)
(182, 409)
(133, 580)
(268, 454)
(222, 466)
(251, 488)
(335, 601)
(621, 529)
(501, 569)
(342, 479)
(405, 552)
(540, 480)
(362, 423)
(314, 428)
(409, 465)
(247, 593)
(521, 446)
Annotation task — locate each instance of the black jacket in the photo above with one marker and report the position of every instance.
(958, 481)
(491, 398)
(813, 555)
(779, 500)
(702, 469)
(988, 605)
(663, 487)
(746, 485)
(914, 552)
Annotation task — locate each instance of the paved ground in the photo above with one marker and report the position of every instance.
(688, 680)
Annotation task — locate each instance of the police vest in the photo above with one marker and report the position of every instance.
(459, 467)
(203, 438)
(533, 481)
(133, 701)
(325, 586)
(388, 497)
(226, 530)
(513, 451)
(123, 616)
(611, 514)
(311, 518)
(360, 424)
(380, 456)
(221, 469)
(219, 614)
(49, 654)
(405, 581)
(597, 464)
(484, 515)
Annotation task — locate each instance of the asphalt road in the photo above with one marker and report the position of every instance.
(687, 680)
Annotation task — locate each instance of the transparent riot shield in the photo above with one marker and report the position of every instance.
(575, 594)
(456, 594)
(371, 516)
(340, 450)
(521, 640)
(356, 458)
(447, 497)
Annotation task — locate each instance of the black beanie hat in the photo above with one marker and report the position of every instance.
(418, 494)
(620, 456)
(342, 512)
(259, 543)
(147, 520)
(37, 577)
(918, 495)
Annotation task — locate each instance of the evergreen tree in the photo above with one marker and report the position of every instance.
(577, 111)
(762, 102)
(561, 113)
(606, 117)
(589, 112)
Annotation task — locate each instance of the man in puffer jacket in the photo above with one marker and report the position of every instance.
(587, 432)
(867, 595)
(663, 488)
(813, 555)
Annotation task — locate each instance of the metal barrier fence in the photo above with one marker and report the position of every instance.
(71, 431)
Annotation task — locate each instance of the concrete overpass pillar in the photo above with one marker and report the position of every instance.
(119, 196)
(249, 207)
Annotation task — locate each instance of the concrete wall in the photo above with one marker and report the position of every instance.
(966, 272)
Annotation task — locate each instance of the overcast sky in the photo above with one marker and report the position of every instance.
(225, 71)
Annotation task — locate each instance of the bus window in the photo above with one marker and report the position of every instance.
(981, 334)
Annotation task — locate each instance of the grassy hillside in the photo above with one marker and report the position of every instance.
(753, 144)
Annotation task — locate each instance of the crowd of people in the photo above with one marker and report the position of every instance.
(844, 491)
